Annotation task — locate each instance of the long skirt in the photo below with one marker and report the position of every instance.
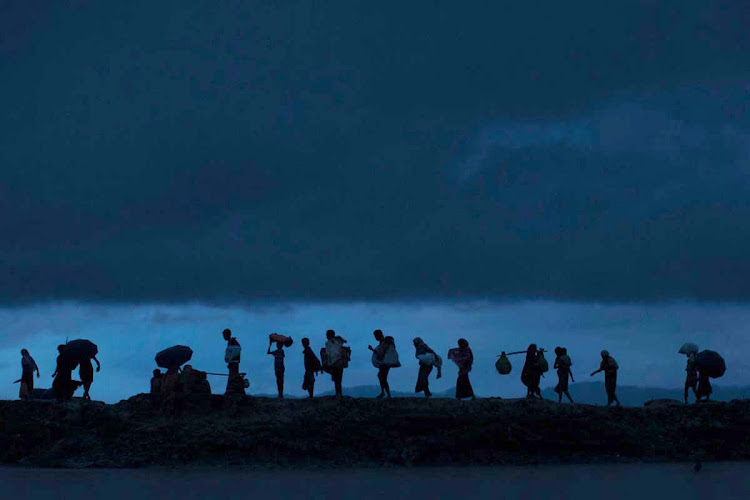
(235, 383)
(531, 379)
(562, 381)
(27, 378)
(309, 381)
(610, 384)
(61, 386)
(423, 383)
(463, 386)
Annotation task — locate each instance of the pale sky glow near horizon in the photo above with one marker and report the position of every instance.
(644, 340)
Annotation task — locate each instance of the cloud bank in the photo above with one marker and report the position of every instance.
(193, 152)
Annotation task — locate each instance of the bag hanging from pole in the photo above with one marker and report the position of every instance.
(502, 365)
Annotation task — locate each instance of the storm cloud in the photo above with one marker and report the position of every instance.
(184, 151)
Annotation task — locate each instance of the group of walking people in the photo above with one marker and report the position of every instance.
(334, 359)
(78, 354)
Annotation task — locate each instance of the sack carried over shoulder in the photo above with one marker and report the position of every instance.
(542, 362)
(232, 354)
(389, 357)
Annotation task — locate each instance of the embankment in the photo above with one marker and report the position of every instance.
(213, 430)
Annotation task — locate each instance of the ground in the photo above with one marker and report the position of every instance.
(214, 430)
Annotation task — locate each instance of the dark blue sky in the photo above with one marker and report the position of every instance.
(194, 151)
(358, 165)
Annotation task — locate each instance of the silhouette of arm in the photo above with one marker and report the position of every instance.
(98, 366)
(597, 371)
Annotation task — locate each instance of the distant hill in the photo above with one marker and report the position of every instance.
(594, 393)
(584, 392)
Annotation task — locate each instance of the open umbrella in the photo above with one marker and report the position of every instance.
(173, 357)
(711, 363)
(688, 348)
(81, 349)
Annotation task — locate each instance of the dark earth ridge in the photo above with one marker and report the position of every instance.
(219, 431)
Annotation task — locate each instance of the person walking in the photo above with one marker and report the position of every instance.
(531, 375)
(464, 359)
(337, 358)
(28, 367)
(378, 359)
(563, 364)
(312, 368)
(691, 379)
(609, 366)
(278, 365)
(63, 383)
(704, 386)
(427, 359)
(235, 383)
(86, 372)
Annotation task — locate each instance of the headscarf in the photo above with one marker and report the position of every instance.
(462, 356)
(421, 347)
(530, 356)
(27, 362)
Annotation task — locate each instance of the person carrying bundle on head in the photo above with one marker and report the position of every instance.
(278, 365)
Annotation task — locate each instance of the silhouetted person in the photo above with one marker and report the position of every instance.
(609, 366)
(170, 382)
(531, 374)
(156, 381)
(195, 381)
(464, 359)
(170, 398)
(336, 359)
(312, 368)
(62, 384)
(86, 372)
(28, 367)
(235, 384)
(278, 365)
(563, 364)
(691, 379)
(383, 369)
(422, 352)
